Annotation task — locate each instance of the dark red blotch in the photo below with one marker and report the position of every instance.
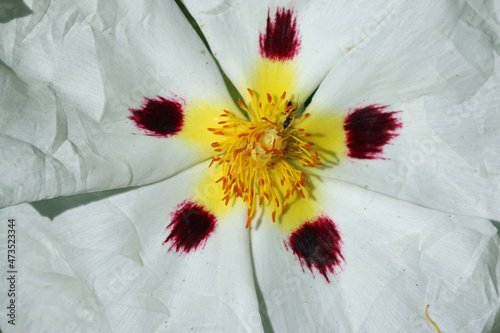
(317, 244)
(369, 129)
(190, 227)
(159, 117)
(281, 39)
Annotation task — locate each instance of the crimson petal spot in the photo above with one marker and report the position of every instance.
(369, 129)
(159, 116)
(190, 227)
(280, 41)
(317, 244)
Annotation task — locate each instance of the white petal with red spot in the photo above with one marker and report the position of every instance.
(96, 262)
(71, 72)
(327, 30)
(398, 258)
(438, 66)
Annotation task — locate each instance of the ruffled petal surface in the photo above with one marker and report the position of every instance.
(104, 261)
(95, 262)
(397, 258)
(69, 75)
(437, 66)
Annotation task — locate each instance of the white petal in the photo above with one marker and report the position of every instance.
(95, 262)
(326, 30)
(69, 75)
(399, 258)
(437, 64)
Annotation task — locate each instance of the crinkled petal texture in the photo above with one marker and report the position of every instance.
(102, 95)
(96, 263)
(312, 35)
(118, 94)
(396, 258)
(438, 64)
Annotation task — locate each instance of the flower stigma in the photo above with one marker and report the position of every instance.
(261, 157)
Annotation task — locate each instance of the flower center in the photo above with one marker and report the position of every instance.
(263, 152)
(261, 158)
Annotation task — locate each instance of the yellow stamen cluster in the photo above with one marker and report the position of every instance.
(256, 155)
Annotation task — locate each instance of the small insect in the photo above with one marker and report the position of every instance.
(288, 119)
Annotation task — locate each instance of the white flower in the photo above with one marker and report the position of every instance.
(95, 191)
